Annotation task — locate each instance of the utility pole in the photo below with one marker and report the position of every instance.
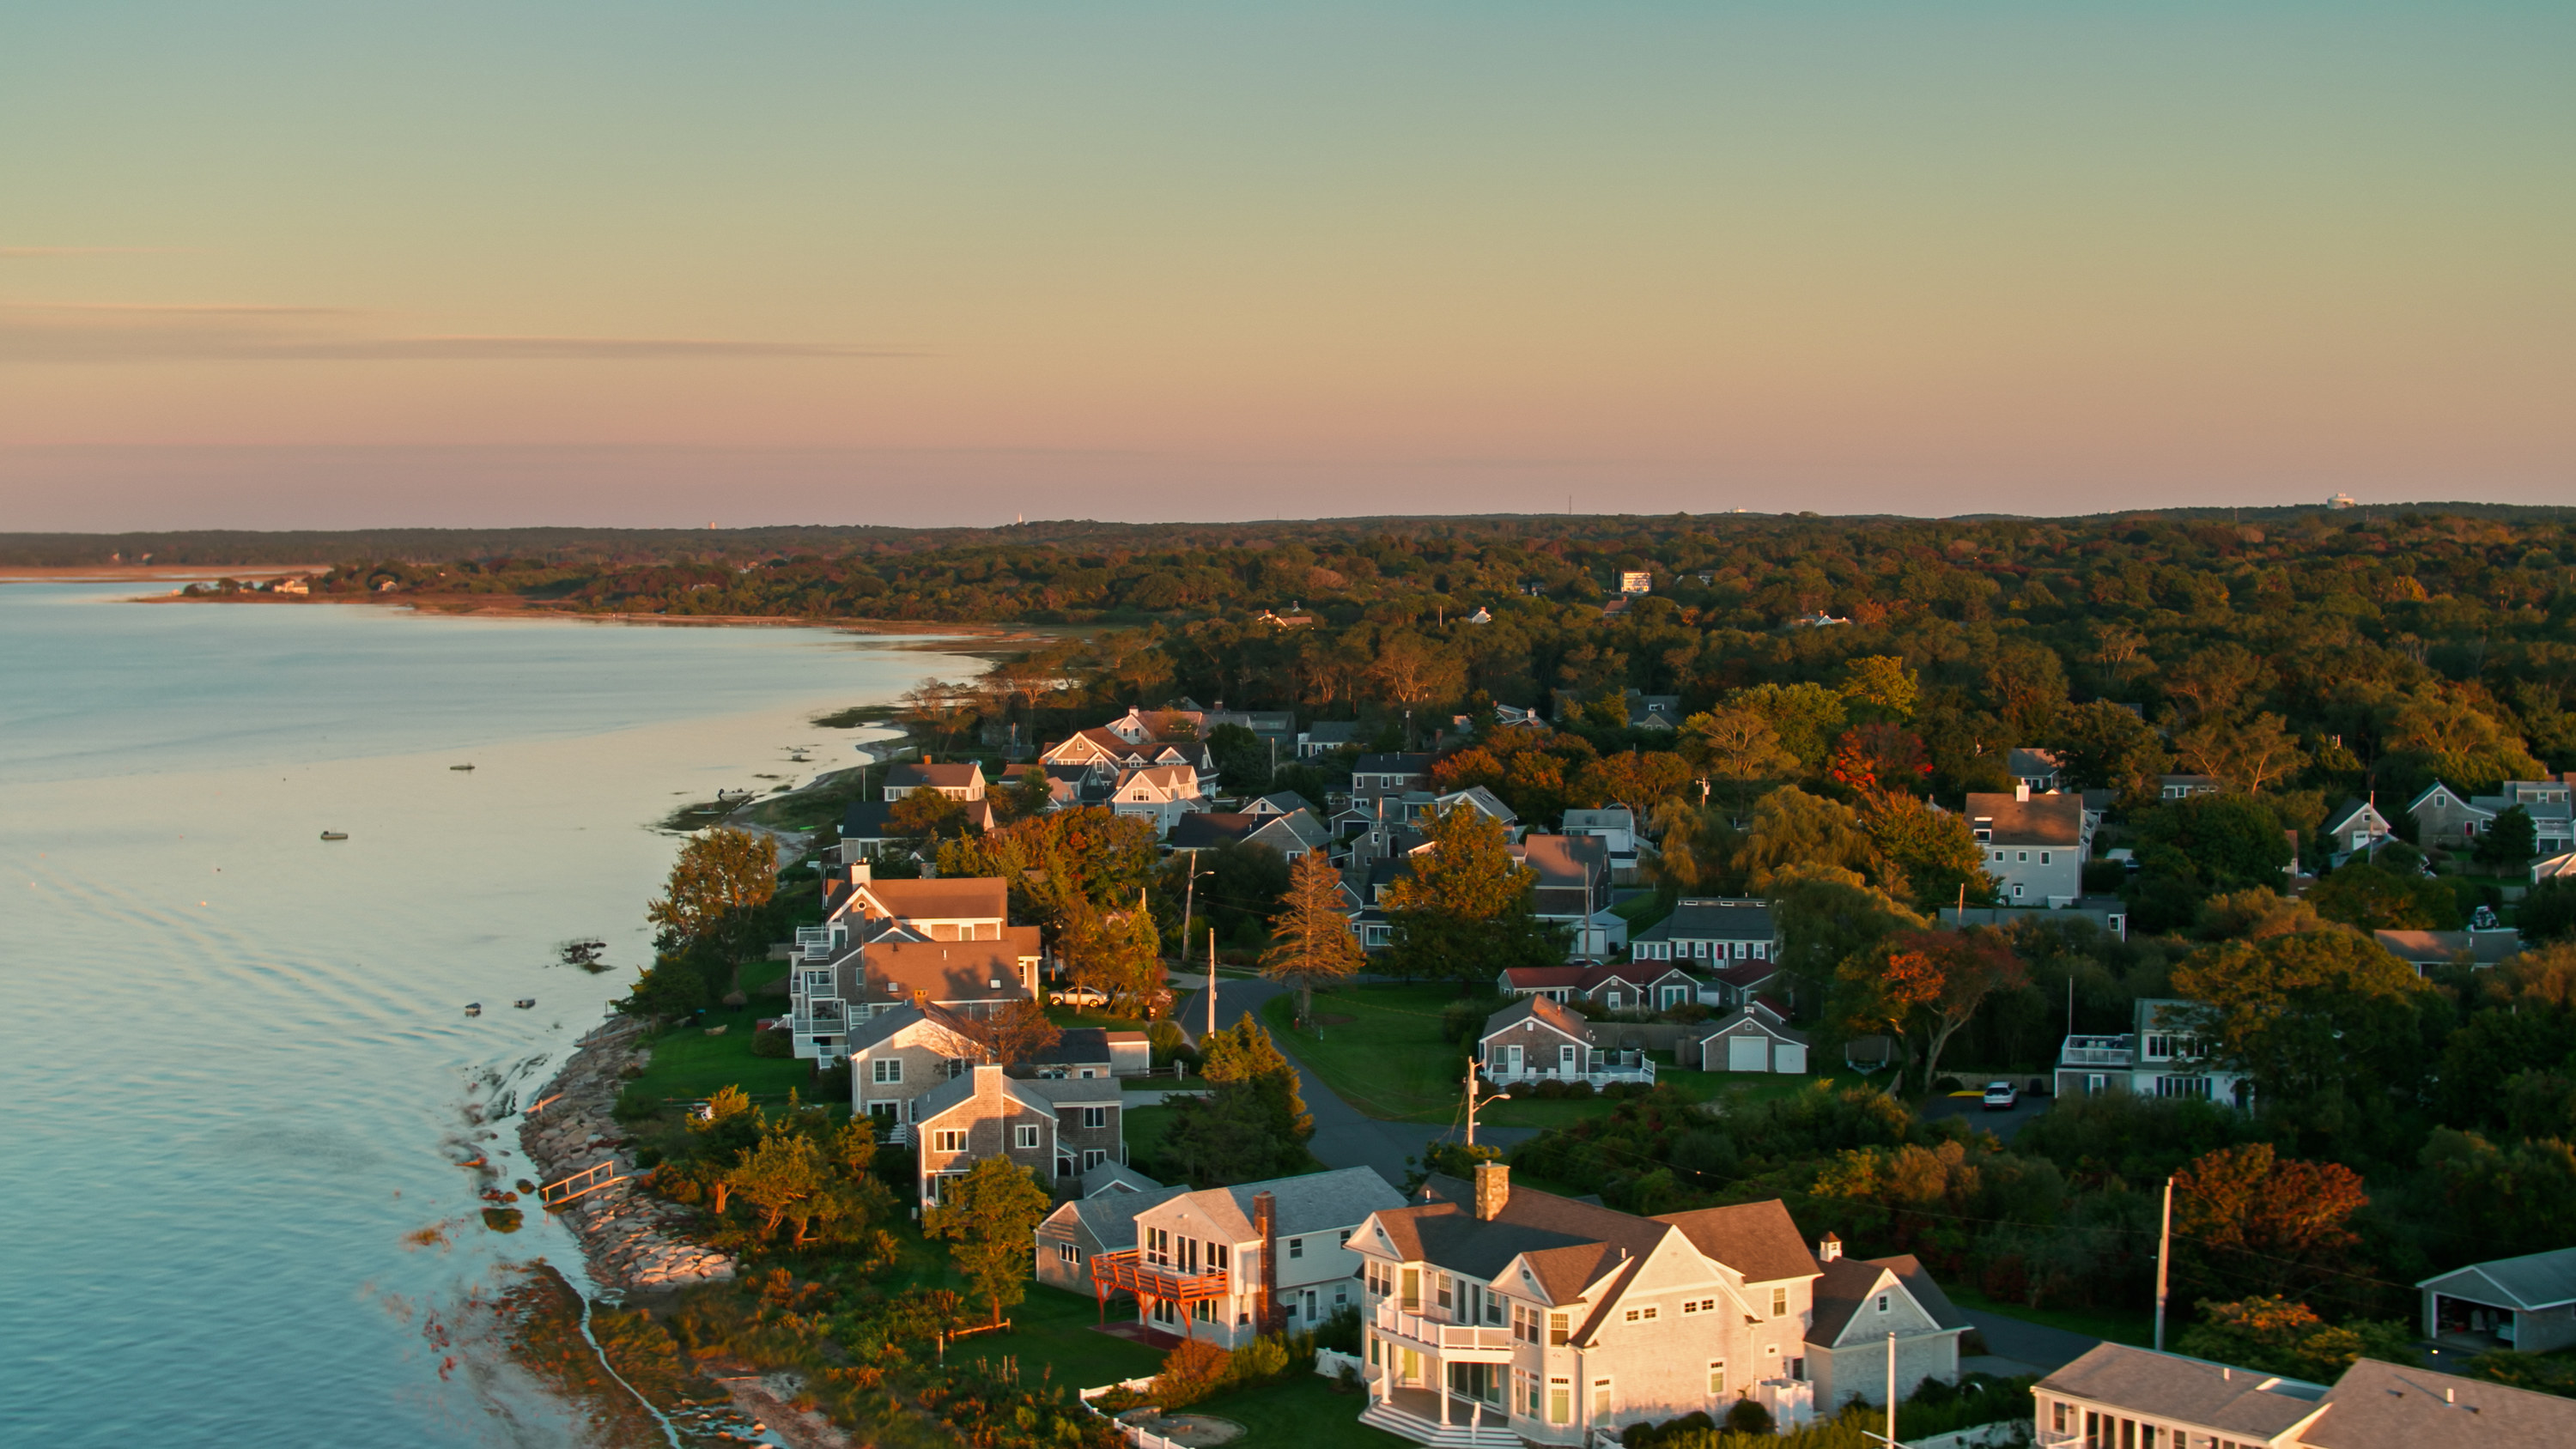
(2164, 1252)
(1189, 897)
(1471, 1102)
(1211, 980)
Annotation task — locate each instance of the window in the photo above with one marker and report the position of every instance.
(1641, 1315)
(1717, 1378)
(2057, 1417)
(1025, 1138)
(886, 1069)
(1600, 1398)
(1556, 1332)
(1442, 1287)
(1341, 1295)
(1779, 1302)
(1094, 1156)
(948, 1139)
(2020, 856)
(1095, 1119)
(1297, 1247)
(1216, 1257)
(1524, 1324)
(1344, 1240)
(1067, 1253)
(1413, 1290)
(1882, 1303)
(2043, 857)
(1699, 1305)
(1560, 1400)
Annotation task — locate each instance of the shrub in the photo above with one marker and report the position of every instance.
(1748, 1417)
(832, 1084)
(1191, 1372)
(773, 1044)
(1165, 1039)
(1341, 1332)
(1261, 1359)
(1461, 1020)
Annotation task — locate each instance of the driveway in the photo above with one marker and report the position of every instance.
(2014, 1346)
(1344, 1135)
(2002, 1124)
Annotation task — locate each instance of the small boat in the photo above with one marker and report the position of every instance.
(474, 1008)
(335, 835)
(524, 1002)
(460, 767)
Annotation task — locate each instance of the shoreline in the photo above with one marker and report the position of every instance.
(511, 606)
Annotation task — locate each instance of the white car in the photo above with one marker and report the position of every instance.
(1079, 996)
(2002, 1096)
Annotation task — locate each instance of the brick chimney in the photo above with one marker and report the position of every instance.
(1493, 1189)
(1265, 1226)
(1829, 1249)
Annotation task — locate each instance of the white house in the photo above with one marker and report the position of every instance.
(2161, 1056)
(2355, 825)
(1860, 1304)
(957, 782)
(1536, 1040)
(2035, 845)
(1228, 1263)
(1160, 793)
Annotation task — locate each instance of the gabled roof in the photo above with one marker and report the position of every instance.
(1208, 829)
(1756, 1239)
(2379, 1405)
(868, 820)
(1714, 919)
(2030, 762)
(2170, 1386)
(1297, 828)
(912, 773)
(1565, 860)
(951, 970)
(885, 1026)
(2436, 948)
(1483, 799)
(2456, 798)
(1116, 1178)
(1312, 1202)
(1108, 1213)
(1570, 1245)
(956, 1092)
(1082, 1046)
(1543, 978)
(1762, 1015)
(2534, 1280)
(1849, 1282)
(2341, 817)
(1284, 802)
(1746, 975)
(1393, 764)
(1547, 1012)
(945, 898)
(2039, 820)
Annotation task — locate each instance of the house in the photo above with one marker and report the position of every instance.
(1057, 1128)
(2428, 951)
(1291, 835)
(1162, 794)
(1390, 774)
(2554, 868)
(1498, 1316)
(1712, 928)
(1286, 802)
(1111, 753)
(1622, 986)
(952, 908)
(1654, 711)
(2355, 825)
(1636, 581)
(2545, 801)
(1573, 890)
(2444, 816)
(1615, 827)
(2183, 787)
(899, 1055)
(1228, 1263)
(2118, 1395)
(1756, 1039)
(2161, 1056)
(866, 828)
(1477, 797)
(2035, 844)
(970, 978)
(1092, 1051)
(1482, 615)
(2526, 1303)
(2109, 915)
(2037, 769)
(957, 782)
(1536, 1040)
(1860, 1304)
(1325, 736)
(829, 985)
(1078, 1233)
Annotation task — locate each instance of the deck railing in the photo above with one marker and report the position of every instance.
(1447, 1337)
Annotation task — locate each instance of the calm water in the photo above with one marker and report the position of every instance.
(233, 1064)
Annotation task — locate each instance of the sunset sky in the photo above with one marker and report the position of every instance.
(339, 264)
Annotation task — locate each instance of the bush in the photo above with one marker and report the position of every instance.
(1261, 1359)
(1165, 1039)
(832, 1084)
(1191, 1372)
(1747, 1416)
(1463, 1019)
(1341, 1332)
(773, 1044)
(1937, 1408)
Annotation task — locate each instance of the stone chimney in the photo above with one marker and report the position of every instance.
(2021, 791)
(1829, 1249)
(1493, 1189)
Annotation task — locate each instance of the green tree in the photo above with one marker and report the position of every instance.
(1933, 851)
(1804, 718)
(779, 1175)
(2323, 1021)
(1738, 749)
(1118, 953)
(927, 815)
(1880, 687)
(2548, 911)
(2510, 841)
(2509, 1198)
(1253, 1125)
(2370, 897)
(2101, 746)
(720, 873)
(1311, 937)
(2445, 734)
(1463, 909)
(987, 1217)
(2282, 1337)
(1828, 916)
(1062, 864)
(1793, 828)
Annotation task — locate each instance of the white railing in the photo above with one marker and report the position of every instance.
(807, 1024)
(1614, 1066)
(1446, 1337)
(2097, 1051)
(813, 943)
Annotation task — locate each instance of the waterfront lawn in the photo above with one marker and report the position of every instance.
(1056, 1333)
(2135, 1329)
(1298, 1411)
(688, 1065)
(1388, 1059)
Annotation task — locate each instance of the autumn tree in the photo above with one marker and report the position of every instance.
(1311, 937)
(1934, 852)
(1923, 986)
(1878, 758)
(1793, 828)
(1118, 953)
(776, 1176)
(927, 815)
(987, 1217)
(2324, 1022)
(2248, 1218)
(720, 873)
(1637, 779)
(1738, 749)
(2283, 1337)
(1014, 1032)
(1462, 908)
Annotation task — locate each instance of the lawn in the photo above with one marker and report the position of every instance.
(689, 1065)
(1054, 1332)
(1299, 1411)
(2136, 1329)
(1086, 1016)
(1388, 1059)
(1144, 1131)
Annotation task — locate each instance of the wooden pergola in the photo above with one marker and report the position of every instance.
(1127, 1271)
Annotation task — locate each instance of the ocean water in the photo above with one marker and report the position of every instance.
(234, 1064)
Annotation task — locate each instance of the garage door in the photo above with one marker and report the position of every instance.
(1748, 1054)
(1789, 1056)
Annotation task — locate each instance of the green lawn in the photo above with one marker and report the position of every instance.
(1054, 1332)
(1093, 1016)
(1299, 1411)
(1144, 1130)
(690, 1065)
(2136, 1329)
(1388, 1060)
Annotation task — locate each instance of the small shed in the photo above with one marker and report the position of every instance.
(2526, 1303)
(1754, 1040)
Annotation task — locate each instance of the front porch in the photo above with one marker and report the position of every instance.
(1444, 1421)
(1604, 1068)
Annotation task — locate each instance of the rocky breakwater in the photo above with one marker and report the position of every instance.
(632, 1239)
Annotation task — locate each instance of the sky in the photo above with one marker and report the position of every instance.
(344, 264)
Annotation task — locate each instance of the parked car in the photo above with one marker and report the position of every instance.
(1079, 996)
(2002, 1096)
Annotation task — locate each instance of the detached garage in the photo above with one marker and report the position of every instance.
(1758, 1040)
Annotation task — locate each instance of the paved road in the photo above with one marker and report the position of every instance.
(2002, 1124)
(1344, 1135)
(2043, 1349)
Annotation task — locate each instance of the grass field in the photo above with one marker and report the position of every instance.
(1054, 1333)
(1299, 1411)
(1388, 1060)
(690, 1065)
